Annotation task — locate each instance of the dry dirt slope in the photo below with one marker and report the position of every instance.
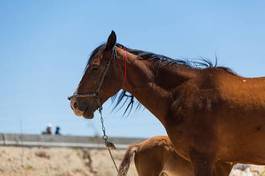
(17, 161)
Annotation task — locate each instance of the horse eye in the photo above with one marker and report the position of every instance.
(94, 67)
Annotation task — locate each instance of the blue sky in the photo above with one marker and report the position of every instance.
(44, 46)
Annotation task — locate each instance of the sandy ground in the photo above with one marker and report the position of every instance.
(16, 161)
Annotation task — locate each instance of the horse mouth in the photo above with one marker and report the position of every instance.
(86, 111)
(88, 114)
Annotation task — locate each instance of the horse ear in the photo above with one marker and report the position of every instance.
(111, 41)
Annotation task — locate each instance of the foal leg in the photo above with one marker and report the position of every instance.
(203, 164)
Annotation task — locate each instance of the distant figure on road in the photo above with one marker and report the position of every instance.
(48, 130)
(57, 130)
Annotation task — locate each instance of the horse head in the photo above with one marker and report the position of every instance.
(100, 81)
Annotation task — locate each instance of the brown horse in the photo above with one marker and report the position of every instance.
(156, 156)
(210, 114)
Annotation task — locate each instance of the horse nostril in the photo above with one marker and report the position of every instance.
(75, 105)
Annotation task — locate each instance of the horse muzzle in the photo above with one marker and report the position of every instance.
(83, 108)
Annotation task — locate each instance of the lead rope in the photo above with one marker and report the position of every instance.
(109, 145)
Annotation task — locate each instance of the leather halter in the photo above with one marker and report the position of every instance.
(104, 73)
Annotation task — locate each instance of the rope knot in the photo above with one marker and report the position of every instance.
(110, 145)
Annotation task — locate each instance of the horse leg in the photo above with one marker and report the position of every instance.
(203, 164)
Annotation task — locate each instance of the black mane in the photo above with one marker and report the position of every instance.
(93, 53)
(164, 60)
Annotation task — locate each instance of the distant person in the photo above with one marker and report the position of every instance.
(48, 130)
(57, 130)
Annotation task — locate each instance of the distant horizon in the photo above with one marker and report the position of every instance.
(72, 135)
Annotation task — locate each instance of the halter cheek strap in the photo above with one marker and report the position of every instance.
(103, 75)
(96, 92)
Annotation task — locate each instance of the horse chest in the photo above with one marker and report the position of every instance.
(179, 137)
(180, 142)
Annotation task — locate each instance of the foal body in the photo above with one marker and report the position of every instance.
(156, 156)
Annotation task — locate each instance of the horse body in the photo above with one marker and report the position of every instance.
(225, 106)
(156, 156)
(209, 114)
(241, 119)
(226, 115)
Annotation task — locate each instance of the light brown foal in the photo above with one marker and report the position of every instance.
(156, 156)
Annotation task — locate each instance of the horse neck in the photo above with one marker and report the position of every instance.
(145, 84)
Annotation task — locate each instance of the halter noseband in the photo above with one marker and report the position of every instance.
(96, 93)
